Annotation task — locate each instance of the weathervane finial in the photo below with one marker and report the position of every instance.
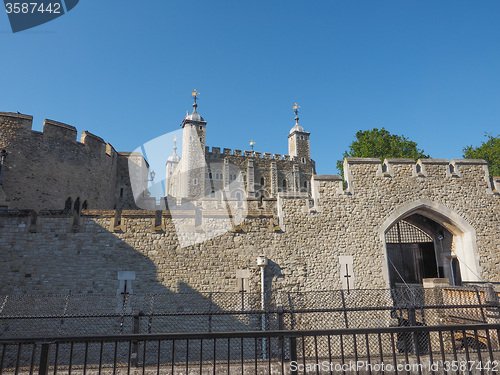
(195, 94)
(252, 143)
(296, 109)
(175, 143)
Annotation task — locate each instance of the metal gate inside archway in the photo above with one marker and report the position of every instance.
(411, 255)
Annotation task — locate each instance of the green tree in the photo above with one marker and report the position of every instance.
(489, 151)
(381, 144)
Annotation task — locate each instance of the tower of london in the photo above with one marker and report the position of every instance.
(74, 215)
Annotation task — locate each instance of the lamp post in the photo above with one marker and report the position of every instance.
(3, 155)
(262, 262)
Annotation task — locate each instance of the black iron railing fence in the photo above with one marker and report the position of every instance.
(458, 349)
(91, 314)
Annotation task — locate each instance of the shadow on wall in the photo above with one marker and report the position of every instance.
(58, 280)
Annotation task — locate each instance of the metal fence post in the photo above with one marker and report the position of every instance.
(478, 294)
(210, 312)
(281, 323)
(135, 344)
(43, 369)
(293, 354)
(413, 323)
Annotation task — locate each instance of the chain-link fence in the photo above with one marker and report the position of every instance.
(92, 314)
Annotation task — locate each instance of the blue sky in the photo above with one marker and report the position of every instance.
(124, 70)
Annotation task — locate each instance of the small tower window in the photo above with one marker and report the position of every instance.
(76, 206)
(212, 194)
(195, 181)
(284, 184)
(201, 139)
(121, 192)
(201, 127)
(304, 160)
(262, 181)
(305, 184)
(84, 205)
(68, 204)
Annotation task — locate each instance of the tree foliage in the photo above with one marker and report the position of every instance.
(381, 144)
(489, 151)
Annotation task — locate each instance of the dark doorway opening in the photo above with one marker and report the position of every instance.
(411, 255)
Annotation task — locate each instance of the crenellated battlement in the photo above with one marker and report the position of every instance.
(362, 173)
(216, 152)
(394, 168)
(59, 130)
(51, 169)
(19, 125)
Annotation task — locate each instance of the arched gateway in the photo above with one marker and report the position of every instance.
(425, 239)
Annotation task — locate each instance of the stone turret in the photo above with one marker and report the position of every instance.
(171, 187)
(298, 141)
(192, 164)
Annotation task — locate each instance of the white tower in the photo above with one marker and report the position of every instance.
(192, 164)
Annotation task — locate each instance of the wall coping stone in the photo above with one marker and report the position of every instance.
(469, 161)
(399, 161)
(363, 161)
(16, 115)
(293, 194)
(327, 177)
(255, 213)
(434, 161)
(98, 213)
(93, 136)
(138, 213)
(57, 213)
(59, 124)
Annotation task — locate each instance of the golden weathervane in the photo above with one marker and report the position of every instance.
(296, 109)
(195, 94)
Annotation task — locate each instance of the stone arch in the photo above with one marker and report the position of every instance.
(464, 239)
(76, 206)
(68, 204)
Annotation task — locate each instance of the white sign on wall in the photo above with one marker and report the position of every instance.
(346, 272)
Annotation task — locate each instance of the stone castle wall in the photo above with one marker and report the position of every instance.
(273, 168)
(302, 238)
(44, 169)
